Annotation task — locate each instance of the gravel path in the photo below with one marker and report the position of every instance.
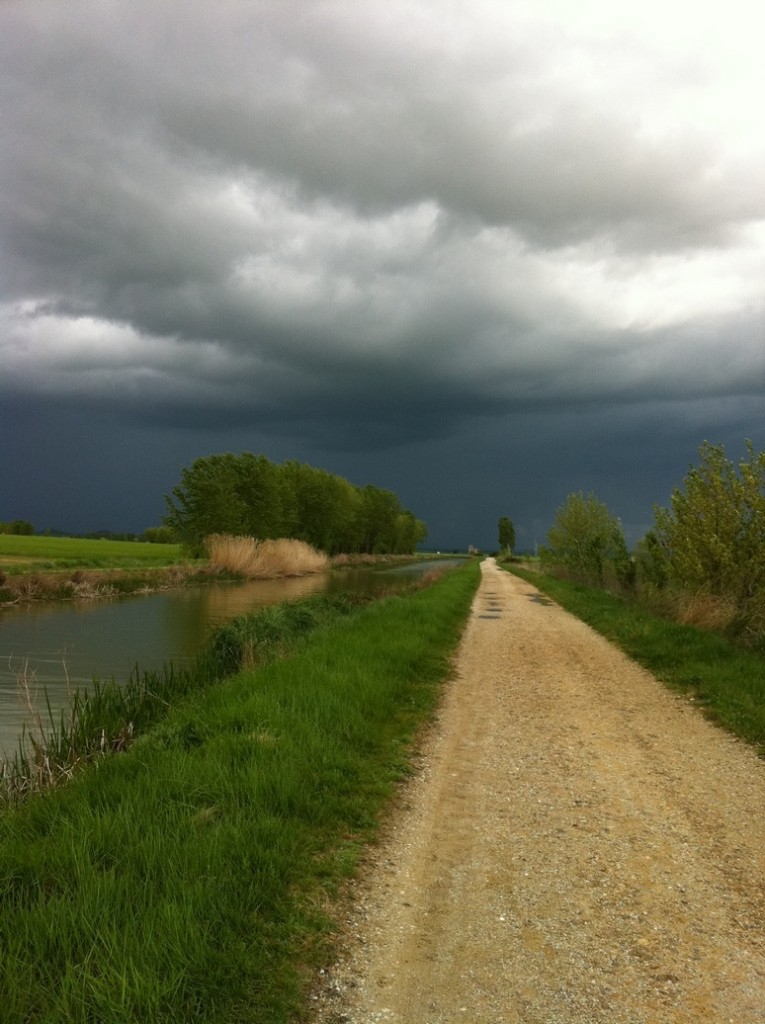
(578, 846)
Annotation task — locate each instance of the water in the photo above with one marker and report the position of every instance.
(45, 643)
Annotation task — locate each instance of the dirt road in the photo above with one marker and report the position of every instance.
(578, 847)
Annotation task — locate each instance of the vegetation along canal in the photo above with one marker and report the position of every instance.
(48, 642)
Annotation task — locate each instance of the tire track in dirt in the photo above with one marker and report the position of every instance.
(578, 846)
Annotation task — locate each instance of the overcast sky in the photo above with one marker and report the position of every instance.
(484, 254)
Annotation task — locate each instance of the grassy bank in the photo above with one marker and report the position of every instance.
(727, 681)
(69, 568)
(185, 878)
(64, 568)
(107, 716)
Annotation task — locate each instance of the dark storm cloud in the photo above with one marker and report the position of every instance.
(353, 227)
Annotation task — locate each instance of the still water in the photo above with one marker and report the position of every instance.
(107, 639)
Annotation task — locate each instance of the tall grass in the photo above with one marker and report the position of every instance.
(263, 559)
(185, 879)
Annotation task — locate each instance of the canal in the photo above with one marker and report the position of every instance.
(47, 647)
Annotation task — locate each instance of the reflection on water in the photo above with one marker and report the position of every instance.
(189, 615)
(107, 639)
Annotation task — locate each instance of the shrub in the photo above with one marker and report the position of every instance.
(586, 543)
(711, 539)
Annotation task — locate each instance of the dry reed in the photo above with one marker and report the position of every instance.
(705, 611)
(263, 559)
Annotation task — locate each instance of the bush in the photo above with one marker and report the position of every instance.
(710, 542)
(586, 543)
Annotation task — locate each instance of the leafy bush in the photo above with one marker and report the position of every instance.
(711, 539)
(586, 543)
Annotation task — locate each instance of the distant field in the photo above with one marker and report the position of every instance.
(65, 552)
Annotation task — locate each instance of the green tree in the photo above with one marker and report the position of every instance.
(18, 527)
(409, 532)
(258, 492)
(378, 513)
(206, 501)
(250, 495)
(159, 535)
(713, 534)
(586, 540)
(506, 534)
(651, 560)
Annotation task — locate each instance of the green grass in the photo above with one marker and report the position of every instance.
(69, 552)
(727, 681)
(185, 879)
(107, 715)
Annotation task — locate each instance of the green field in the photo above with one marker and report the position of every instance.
(78, 552)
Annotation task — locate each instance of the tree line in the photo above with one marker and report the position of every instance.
(153, 535)
(708, 544)
(249, 495)
(18, 528)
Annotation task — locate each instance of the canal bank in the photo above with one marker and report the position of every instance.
(48, 647)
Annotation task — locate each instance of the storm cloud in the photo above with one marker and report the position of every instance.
(488, 249)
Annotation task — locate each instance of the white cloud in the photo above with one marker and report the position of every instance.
(53, 353)
(646, 292)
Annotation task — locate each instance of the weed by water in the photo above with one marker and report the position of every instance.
(257, 637)
(185, 879)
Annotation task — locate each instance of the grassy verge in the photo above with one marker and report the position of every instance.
(728, 682)
(107, 716)
(184, 879)
(63, 568)
(26, 587)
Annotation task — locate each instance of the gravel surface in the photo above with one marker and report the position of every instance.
(577, 846)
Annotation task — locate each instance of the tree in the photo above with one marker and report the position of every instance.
(506, 535)
(159, 535)
(18, 527)
(206, 502)
(248, 495)
(651, 560)
(713, 534)
(585, 540)
(378, 514)
(409, 532)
